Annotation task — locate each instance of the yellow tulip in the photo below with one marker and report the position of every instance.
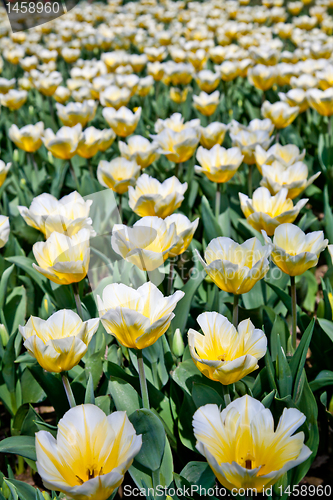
(178, 95)
(29, 63)
(13, 99)
(303, 82)
(235, 268)
(262, 77)
(207, 81)
(130, 82)
(145, 86)
(139, 149)
(247, 141)
(293, 177)
(218, 164)
(4, 169)
(68, 215)
(115, 97)
(178, 146)
(107, 138)
(60, 342)
(295, 97)
(62, 94)
(321, 101)
(64, 143)
(46, 83)
(176, 123)
(184, 232)
(137, 318)
(89, 457)
(267, 212)
(63, 259)
(198, 59)
(324, 77)
(156, 70)
(89, 143)
(155, 54)
(151, 197)
(293, 251)
(28, 138)
(4, 230)
(223, 353)
(280, 113)
(243, 447)
(286, 155)
(138, 62)
(77, 112)
(6, 85)
(228, 70)
(123, 121)
(206, 104)
(177, 73)
(70, 55)
(147, 245)
(113, 59)
(213, 134)
(118, 174)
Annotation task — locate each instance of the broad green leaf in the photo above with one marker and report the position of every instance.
(211, 226)
(202, 395)
(153, 438)
(327, 326)
(323, 379)
(124, 395)
(19, 445)
(199, 474)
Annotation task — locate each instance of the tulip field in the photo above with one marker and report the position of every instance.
(166, 246)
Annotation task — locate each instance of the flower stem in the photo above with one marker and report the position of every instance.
(218, 200)
(76, 180)
(277, 136)
(226, 394)
(293, 310)
(120, 207)
(77, 299)
(170, 277)
(143, 381)
(68, 390)
(235, 311)
(249, 181)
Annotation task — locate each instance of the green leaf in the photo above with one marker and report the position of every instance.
(297, 362)
(90, 396)
(124, 395)
(25, 491)
(211, 226)
(327, 326)
(323, 379)
(153, 438)
(267, 400)
(202, 395)
(3, 284)
(283, 372)
(199, 474)
(328, 219)
(25, 263)
(19, 445)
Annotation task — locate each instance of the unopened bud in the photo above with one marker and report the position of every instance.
(3, 335)
(31, 110)
(178, 343)
(46, 495)
(50, 157)
(16, 155)
(23, 182)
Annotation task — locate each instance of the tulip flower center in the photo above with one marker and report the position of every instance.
(91, 472)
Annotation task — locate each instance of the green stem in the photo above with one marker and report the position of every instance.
(235, 311)
(143, 381)
(120, 207)
(77, 299)
(171, 277)
(226, 394)
(277, 136)
(68, 390)
(293, 311)
(218, 200)
(76, 180)
(249, 181)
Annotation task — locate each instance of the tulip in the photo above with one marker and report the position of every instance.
(77, 112)
(294, 178)
(286, 155)
(321, 101)
(4, 230)
(303, 82)
(28, 138)
(255, 125)
(70, 55)
(89, 143)
(213, 134)
(184, 232)
(235, 268)
(64, 143)
(324, 77)
(176, 123)
(178, 73)
(90, 455)
(223, 353)
(267, 212)
(62, 94)
(262, 77)
(118, 174)
(155, 53)
(106, 140)
(150, 197)
(63, 259)
(218, 164)
(228, 70)
(138, 62)
(137, 318)
(68, 215)
(4, 169)
(145, 86)
(247, 141)
(207, 81)
(294, 252)
(295, 97)
(178, 146)
(140, 150)
(123, 122)
(60, 342)
(156, 70)
(147, 245)
(280, 113)
(47, 84)
(115, 97)
(178, 95)
(205, 103)
(242, 447)
(13, 99)
(6, 85)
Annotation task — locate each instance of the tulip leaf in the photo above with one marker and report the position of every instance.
(283, 371)
(24, 490)
(3, 284)
(202, 395)
(89, 395)
(53, 388)
(211, 226)
(153, 438)
(124, 395)
(25, 263)
(199, 474)
(327, 326)
(19, 445)
(267, 400)
(328, 219)
(323, 379)
(297, 362)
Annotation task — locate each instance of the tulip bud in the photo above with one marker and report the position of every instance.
(46, 495)
(16, 156)
(178, 343)
(31, 110)
(23, 182)
(50, 157)
(4, 335)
